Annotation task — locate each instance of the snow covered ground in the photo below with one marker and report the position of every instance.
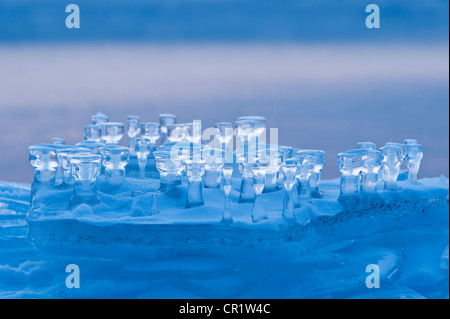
(188, 253)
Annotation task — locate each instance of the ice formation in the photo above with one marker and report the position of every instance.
(191, 253)
(148, 222)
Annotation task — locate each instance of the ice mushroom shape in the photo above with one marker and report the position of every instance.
(44, 161)
(193, 132)
(403, 173)
(392, 160)
(93, 133)
(215, 159)
(260, 123)
(318, 162)
(169, 170)
(414, 155)
(258, 134)
(85, 168)
(142, 150)
(195, 170)
(151, 132)
(288, 152)
(305, 168)
(164, 120)
(176, 133)
(350, 165)
(114, 160)
(371, 167)
(178, 151)
(62, 156)
(295, 161)
(133, 131)
(112, 132)
(274, 157)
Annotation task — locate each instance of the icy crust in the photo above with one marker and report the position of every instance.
(14, 200)
(324, 254)
(119, 207)
(318, 223)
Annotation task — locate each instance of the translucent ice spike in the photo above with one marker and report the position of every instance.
(414, 155)
(227, 171)
(371, 167)
(133, 131)
(392, 160)
(164, 120)
(114, 160)
(142, 149)
(289, 173)
(85, 168)
(112, 132)
(350, 165)
(319, 162)
(93, 133)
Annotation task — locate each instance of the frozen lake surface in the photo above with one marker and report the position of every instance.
(188, 253)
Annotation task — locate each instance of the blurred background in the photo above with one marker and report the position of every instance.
(311, 67)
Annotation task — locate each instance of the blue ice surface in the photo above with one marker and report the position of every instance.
(188, 253)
